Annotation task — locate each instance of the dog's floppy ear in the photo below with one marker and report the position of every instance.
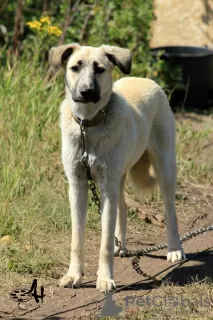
(120, 57)
(58, 55)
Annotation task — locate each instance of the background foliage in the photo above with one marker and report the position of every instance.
(91, 22)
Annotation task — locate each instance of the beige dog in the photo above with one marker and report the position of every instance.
(130, 128)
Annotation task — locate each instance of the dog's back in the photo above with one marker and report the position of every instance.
(143, 94)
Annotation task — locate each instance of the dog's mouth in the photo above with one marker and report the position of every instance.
(85, 101)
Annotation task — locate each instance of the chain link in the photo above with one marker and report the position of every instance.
(127, 252)
(138, 253)
(95, 197)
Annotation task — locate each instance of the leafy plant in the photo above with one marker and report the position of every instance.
(121, 23)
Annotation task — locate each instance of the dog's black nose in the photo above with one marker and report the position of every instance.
(89, 94)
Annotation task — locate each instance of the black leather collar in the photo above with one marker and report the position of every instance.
(93, 122)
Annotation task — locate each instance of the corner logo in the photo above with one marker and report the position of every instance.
(110, 309)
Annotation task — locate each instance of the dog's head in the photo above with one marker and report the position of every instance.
(89, 69)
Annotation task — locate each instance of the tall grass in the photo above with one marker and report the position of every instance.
(29, 131)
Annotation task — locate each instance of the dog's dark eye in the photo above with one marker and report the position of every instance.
(99, 69)
(75, 68)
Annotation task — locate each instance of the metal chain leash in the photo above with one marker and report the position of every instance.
(84, 161)
(136, 254)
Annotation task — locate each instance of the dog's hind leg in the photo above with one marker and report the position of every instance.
(120, 230)
(162, 155)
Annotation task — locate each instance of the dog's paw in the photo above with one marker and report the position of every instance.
(105, 284)
(175, 256)
(69, 281)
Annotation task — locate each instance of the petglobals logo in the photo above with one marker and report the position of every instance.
(110, 309)
(168, 301)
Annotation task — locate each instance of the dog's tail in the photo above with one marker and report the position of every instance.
(139, 177)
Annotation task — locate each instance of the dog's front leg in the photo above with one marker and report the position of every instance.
(109, 199)
(78, 189)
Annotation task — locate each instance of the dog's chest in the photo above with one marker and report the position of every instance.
(96, 147)
(105, 144)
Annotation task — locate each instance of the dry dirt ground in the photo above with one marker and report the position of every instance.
(191, 280)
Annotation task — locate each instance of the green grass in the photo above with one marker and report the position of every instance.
(34, 206)
(190, 143)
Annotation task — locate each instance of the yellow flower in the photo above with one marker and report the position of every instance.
(34, 24)
(45, 19)
(54, 30)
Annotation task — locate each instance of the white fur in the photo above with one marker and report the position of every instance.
(139, 119)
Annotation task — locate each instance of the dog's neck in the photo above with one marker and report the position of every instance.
(98, 118)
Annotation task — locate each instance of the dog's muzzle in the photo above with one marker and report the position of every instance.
(86, 96)
(90, 95)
